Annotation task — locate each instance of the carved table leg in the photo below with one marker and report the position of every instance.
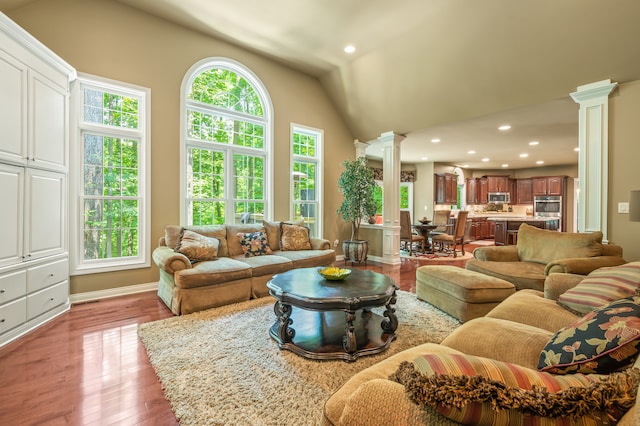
(349, 340)
(390, 324)
(283, 312)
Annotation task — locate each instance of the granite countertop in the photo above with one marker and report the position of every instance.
(523, 218)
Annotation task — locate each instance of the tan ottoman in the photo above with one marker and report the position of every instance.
(459, 292)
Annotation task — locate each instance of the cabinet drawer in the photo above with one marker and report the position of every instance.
(43, 276)
(13, 314)
(12, 286)
(44, 300)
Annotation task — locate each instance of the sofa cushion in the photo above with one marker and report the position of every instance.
(267, 265)
(482, 391)
(601, 287)
(273, 231)
(521, 274)
(543, 246)
(172, 234)
(294, 237)
(197, 247)
(254, 244)
(603, 341)
(212, 272)
(309, 258)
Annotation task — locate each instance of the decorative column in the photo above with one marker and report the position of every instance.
(391, 203)
(593, 159)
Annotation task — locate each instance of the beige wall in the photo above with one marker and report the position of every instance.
(111, 40)
(624, 169)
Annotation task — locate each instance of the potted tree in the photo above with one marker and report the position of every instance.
(356, 184)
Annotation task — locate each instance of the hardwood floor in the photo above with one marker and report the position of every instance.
(87, 367)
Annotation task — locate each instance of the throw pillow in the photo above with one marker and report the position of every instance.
(482, 391)
(254, 244)
(602, 286)
(197, 247)
(294, 237)
(603, 341)
(273, 231)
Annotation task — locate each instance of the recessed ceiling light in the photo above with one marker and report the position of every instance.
(532, 143)
(539, 162)
(504, 127)
(484, 160)
(350, 48)
(465, 165)
(424, 158)
(436, 140)
(505, 165)
(525, 155)
(576, 149)
(471, 152)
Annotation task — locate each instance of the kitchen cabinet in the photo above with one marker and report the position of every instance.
(549, 185)
(524, 191)
(504, 225)
(471, 185)
(446, 188)
(482, 191)
(34, 162)
(498, 184)
(477, 191)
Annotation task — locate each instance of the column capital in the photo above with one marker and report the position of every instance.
(361, 148)
(388, 137)
(593, 91)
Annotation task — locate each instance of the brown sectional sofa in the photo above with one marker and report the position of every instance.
(187, 287)
(540, 252)
(515, 332)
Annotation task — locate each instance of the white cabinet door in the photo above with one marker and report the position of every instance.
(48, 124)
(45, 213)
(13, 109)
(11, 214)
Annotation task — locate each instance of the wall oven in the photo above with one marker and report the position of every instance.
(547, 206)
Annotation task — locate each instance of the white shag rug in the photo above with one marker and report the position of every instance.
(221, 367)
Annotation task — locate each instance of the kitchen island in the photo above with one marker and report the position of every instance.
(505, 224)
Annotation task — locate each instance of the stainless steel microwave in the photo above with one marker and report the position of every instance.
(500, 197)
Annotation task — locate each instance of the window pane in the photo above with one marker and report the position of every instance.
(304, 181)
(404, 197)
(249, 212)
(377, 196)
(111, 166)
(110, 109)
(205, 174)
(226, 89)
(206, 212)
(215, 128)
(248, 175)
(304, 145)
(110, 228)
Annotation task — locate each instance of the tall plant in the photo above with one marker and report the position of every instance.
(356, 184)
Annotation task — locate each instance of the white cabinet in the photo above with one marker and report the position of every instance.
(34, 160)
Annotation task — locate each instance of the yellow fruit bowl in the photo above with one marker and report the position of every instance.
(334, 274)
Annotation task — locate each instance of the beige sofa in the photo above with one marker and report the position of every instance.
(540, 252)
(514, 332)
(230, 277)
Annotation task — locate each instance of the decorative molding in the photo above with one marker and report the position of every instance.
(111, 292)
(405, 175)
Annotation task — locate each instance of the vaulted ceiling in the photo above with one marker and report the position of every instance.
(447, 69)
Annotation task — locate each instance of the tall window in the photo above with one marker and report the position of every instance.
(306, 150)
(112, 149)
(227, 140)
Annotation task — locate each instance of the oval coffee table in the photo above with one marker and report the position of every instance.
(322, 319)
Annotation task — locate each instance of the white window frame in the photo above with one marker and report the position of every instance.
(79, 265)
(230, 150)
(319, 162)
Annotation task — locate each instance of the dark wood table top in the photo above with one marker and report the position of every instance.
(306, 288)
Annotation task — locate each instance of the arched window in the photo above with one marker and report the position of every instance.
(227, 140)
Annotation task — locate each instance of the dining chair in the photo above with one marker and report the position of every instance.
(452, 240)
(407, 236)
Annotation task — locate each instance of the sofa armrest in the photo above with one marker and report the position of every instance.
(496, 254)
(169, 260)
(320, 244)
(582, 265)
(558, 283)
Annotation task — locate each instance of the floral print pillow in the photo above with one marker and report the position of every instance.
(603, 341)
(254, 244)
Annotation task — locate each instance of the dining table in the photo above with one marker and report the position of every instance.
(425, 229)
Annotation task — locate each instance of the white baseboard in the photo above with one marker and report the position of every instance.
(112, 292)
